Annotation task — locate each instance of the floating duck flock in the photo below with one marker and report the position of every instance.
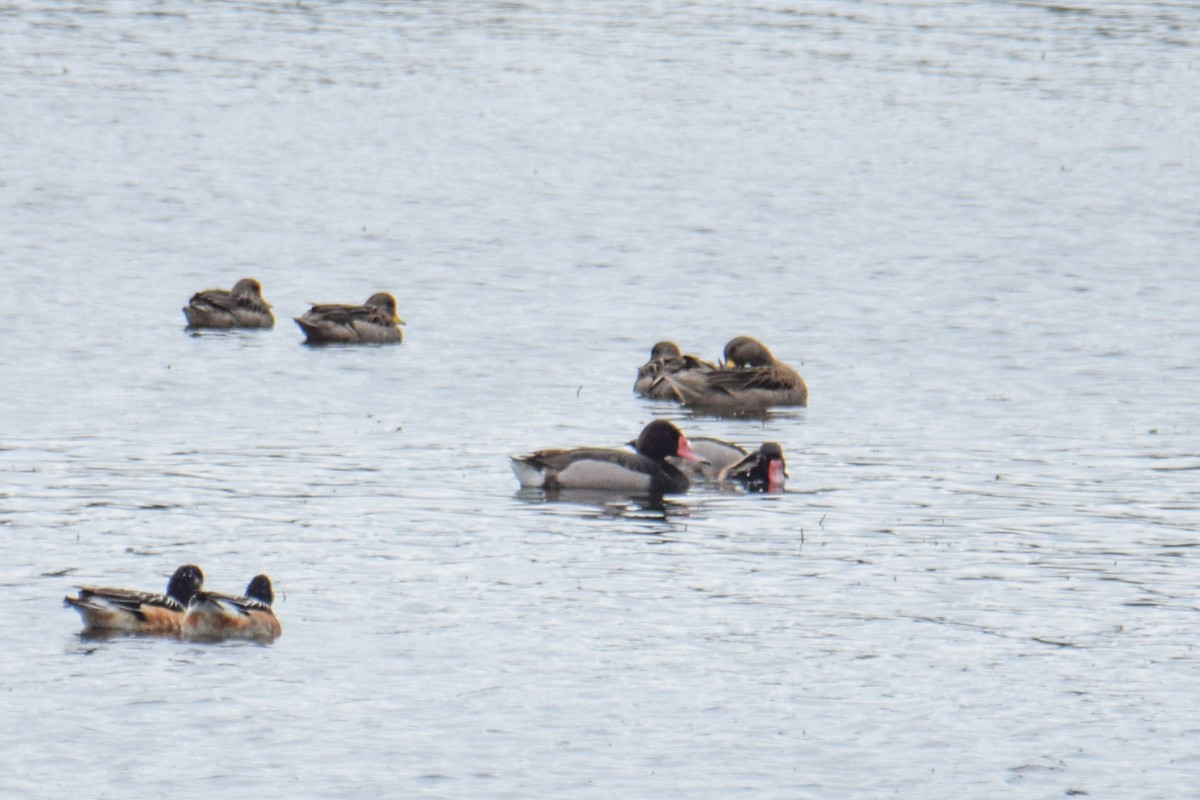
(661, 460)
(185, 610)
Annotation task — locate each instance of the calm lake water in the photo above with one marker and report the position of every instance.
(973, 227)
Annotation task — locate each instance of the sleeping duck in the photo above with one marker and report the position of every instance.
(242, 306)
(751, 380)
(374, 322)
(665, 359)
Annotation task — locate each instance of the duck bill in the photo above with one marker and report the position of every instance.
(685, 452)
(776, 473)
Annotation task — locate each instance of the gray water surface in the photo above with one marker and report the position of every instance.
(973, 227)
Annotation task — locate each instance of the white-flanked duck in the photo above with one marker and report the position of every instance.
(374, 322)
(645, 472)
(132, 611)
(221, 616)
(242, 306)
(666, 359)
(751, 380)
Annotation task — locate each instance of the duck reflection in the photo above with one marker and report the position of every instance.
(108, 634)
(615, 505)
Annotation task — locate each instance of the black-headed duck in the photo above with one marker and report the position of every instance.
(220, 616)
(644, 471)
(131, 611)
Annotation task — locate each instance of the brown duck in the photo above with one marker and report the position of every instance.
(374, 322)
(665, 359)
(751, 380)
(242, 306)
(131, 611)
(221, 616)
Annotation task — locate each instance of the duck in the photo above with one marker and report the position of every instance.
(131, 611)
(763, 470)
(221, 616)
(374, 322)
(725, 462)
(242, 306)
(645, 471)
(750, 380)
(665, 359)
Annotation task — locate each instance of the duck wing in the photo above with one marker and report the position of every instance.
(220, 616)
(250, 302)
(123, 599)
(348, 315)
(599, 469)
(214, 299)
(732, 381)
(742, 470)
(686, 363)
(127, 610)
(719, 454)
(333, 313)
(560, 460)
(231, 604)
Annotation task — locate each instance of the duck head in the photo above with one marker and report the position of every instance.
(260, 590)
(385, 301)
(184, 584)
(660, 439)
(743, 351)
